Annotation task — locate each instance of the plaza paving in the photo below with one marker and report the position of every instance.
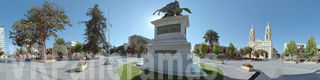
(272, 69)
(61, 70)
(65, 70)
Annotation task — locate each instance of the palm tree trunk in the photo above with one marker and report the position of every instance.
(211, 45)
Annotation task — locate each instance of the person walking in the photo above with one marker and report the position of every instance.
(282, 59)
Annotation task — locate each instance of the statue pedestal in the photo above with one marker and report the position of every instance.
(169, 52)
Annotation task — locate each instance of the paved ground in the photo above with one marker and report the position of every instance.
(61, 70)
(65, 70)
(272, 69)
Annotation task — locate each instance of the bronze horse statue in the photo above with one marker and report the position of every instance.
(172, 9)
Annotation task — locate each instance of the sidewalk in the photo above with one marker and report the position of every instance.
(231, 72)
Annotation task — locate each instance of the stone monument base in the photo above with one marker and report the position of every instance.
(172, 64)
(169, 51)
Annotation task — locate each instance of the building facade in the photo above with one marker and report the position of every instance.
(2, 42)
(135, 39)
(265, 45)
(70, 44)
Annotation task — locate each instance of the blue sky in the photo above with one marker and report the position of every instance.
(232, 19)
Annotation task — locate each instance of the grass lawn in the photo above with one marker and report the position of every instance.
(131, 72)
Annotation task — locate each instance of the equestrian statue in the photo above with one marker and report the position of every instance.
(172, 9)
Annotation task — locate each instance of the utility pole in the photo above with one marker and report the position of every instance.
(108, 25)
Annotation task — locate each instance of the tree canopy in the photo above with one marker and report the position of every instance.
(203, 48)
(43, 22)
(291, 49)
(60, 41)
(78, 48)
(22, 34)
(246, 50)
(95, 30)
(216, 48)
(211, 36)
(1, 52)
(230, 50)
(311, 48)
(142, 49)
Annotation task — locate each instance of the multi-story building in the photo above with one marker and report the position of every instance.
(2, 42)
(135, 39)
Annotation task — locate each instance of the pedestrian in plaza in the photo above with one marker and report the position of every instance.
(282, 59)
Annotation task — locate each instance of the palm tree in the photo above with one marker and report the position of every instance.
(211, 36)
(141, 50)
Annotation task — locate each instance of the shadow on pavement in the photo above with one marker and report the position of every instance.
(72, 71)
(159, 76)
(261, 76)
(309, 76)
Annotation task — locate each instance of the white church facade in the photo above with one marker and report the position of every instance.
(265, 45)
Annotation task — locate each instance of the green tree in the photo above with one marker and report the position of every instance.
(95, 31)
(1, 52)
(195, 50)
(19, 51)
(216, 49)
(259, 52)
(262, 52)
(291, 49)
(47, 20)
(78, 48)
(246, 51)
(275, 52)
(211, 36)
(59, 48)
(141, 50)
(311, 48)
(256, 54)
(60, 41)
(203, 48)
(49, 51)
(23, 34)
(230, 50)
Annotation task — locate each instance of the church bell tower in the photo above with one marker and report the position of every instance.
(268, 33)
(252, 35)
